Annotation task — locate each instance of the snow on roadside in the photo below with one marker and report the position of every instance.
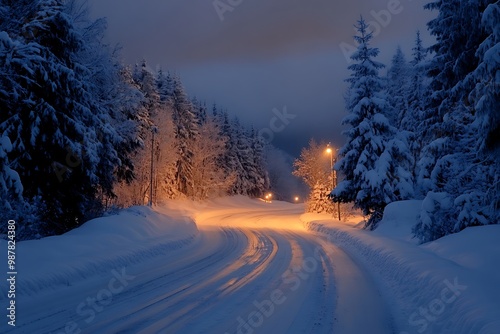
(446, 286)
(114, 241)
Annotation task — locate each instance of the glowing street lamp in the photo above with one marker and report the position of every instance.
(296, 199)
(329, 150)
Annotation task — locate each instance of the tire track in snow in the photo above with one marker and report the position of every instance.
(209, 287)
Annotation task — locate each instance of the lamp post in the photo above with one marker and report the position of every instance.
(330, 151)
(334, 173)
(153, 131)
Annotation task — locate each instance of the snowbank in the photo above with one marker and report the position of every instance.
(399, 219)
(446, 286)
(115, 241)
(129, 237)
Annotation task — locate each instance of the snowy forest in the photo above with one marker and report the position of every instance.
(80, 132)
(430, 128)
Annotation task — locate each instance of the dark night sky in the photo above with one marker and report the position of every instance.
(265, 54)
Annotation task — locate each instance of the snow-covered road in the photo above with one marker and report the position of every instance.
(251, 271)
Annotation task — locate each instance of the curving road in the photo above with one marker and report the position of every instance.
(244, 274)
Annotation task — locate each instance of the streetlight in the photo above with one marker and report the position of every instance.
(296, 199)
(154, 130)
(329, 150)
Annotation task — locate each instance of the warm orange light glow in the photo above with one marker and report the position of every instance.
(329, 150)
(296, 198)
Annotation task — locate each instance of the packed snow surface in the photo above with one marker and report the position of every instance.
(239, 265)
(446, 286)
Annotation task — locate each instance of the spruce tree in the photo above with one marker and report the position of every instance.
(458, 176)
(186, 131)
(228, 162)
(319, 200)
(11, 188)
(374, 161)
(261, 179)
(398, 90)
(59, 114)
(485, 96)
(61, 123)
(164, 84)
(485, 80)
(244, 168)
(416, 104)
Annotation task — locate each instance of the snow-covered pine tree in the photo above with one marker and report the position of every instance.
(244, 165)
(459, 32)
(186, 132)
(398, 90)
(243, 161)
(13, 206)
(165, 86)
(441, 70)
(458, 176)
(4, 15)
(200, 111)
(374, 161)
(18, 61)
(118, 101)
(125, 100)
(228, 162)
(319, 200)
(416, 104)
(486, 99)
(166, 155)
(14, 57)
(11, 189)
(261, 181)
(486, 79)
(131, 189)
(404, 94)
(416, 98)
(133, 104)
(146, 82)
(58, 112)
(216, 114)
(155, 113)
